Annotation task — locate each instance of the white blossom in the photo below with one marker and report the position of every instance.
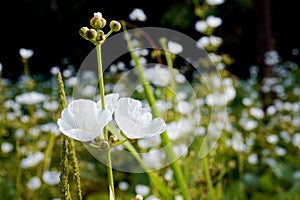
(82, 120)
(34, 183)
(138, 15)
(6, 147)
(215, 2)
(175, 47)
(142, 189)
(201, 26)
(135, 121)
(213, 21)
(26, 53)
(30, 98)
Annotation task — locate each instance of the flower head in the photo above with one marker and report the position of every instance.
(135, 121)
(83, 120)
(26, 53)
(138, 15)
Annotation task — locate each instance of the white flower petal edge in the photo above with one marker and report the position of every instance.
(135, 121)
(110, 102)
(82, 120)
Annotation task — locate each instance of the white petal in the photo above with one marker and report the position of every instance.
(82, 121)
(135, 121)
(110, 102)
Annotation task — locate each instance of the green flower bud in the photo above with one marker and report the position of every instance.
(115, 26)
(100, 36)
(104, 145)
(98, 22)
(113, 139)
(91, 34)
(83, 32)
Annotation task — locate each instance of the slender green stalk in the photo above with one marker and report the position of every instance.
(75, 166)
(211, 190)
(64, 182)
(18, 173)
(102, 95)
(164, 136)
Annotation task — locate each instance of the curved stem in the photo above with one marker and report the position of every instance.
(102, 95)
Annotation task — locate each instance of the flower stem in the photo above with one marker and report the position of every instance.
(211, 190)
(164, 136)
(102, 95)
(18, 173)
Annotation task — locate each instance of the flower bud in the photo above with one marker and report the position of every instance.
(115, 26)
(100, 36)
(83, 31)
(91, 34)
(113, 139)
(104, 145)
(98, 22)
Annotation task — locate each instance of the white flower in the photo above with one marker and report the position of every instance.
(135, 121)
(26, 53)
(1, 67)
(213, 21)
(272, 139)
(201, 26)
(203, 42)
(51, 177)
(98, 15)
(215, 2)
(257, 112)
(34, 183)
(138, 197)
(215, 41)
(30, 98)
(123, 185)
(296, 140)
(174, 47)
(142, 189)
(83, 120)
(253, 159)
(6, 147)
(138, 15)
(158, 75)
(32, 160)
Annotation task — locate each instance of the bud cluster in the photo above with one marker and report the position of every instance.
(95, 34)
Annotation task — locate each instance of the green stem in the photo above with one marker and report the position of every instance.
(18, 173)
(164, 136)
(102, 95)
(211, 190)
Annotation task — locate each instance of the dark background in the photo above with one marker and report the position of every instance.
(50, 28)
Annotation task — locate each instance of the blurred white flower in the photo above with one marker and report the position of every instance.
(135, 121)
(271, 58)
(184, 107)
(256, 112)
(213, 21)
(138, 197)
(158, 75)
(203, 42)
(34, 183)
(272, 139)
(296, 140)
(1, 67)
(32, 160)
(51, 105)
(123, 185)
(215, 40)
(31, 98)
(26, 53)
(138, 15)
(142, 189)
(253, 159)
(54, 70)
(175, 47)
(6, 147)
(152, 197)
(145, 143)
(215, 2)
(201, 26)
(51, 177)
(83, 120)
(280, 151)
